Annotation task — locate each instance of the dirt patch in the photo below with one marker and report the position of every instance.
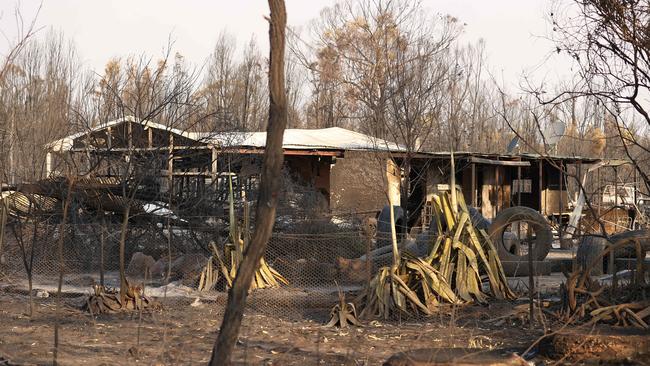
(184, 334)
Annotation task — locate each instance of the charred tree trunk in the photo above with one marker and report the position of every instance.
(125, 226)
(30, 272)
(102, 244)
(269, 190)
(405, 188)
(61, 242)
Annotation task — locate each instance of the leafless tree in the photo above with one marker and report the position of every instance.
(233, 91)
(608, 41)
(384, 65)
(25, 31)
(269, 189)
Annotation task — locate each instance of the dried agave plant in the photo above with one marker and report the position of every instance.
(466, 254)
(233, 254)
(451, 273)
(411, 287)
(343, 314)
(209, 277)
(107, 300)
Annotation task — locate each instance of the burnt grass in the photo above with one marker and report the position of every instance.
(184, 334)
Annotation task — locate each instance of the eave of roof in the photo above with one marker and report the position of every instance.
(66, 143)
(513, 157)
(327, 139)
(334, 138)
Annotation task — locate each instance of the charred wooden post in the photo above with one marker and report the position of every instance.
(109, 146)
(48, 164)
(612, 263)
(474, 195)
(498, 184)
(213, 165)
(519, 186)
(542, 203)
(149, 137)
(561, 208)
(170, 165)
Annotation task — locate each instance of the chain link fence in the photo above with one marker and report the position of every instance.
(319, 257)
(315, 257)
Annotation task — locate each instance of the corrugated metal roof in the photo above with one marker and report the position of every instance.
(333, 138)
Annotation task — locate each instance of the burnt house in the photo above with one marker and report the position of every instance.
(349, 171)
(192, 169)
(493, 182)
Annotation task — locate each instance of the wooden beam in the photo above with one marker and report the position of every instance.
(611, 265)
(542, 205)
(336, 153)
(139, 149)
(48, 164)
(129, 137)
(519, 186)
(599, 191)
(213, 165)
(109, 145)
(129, 128)
(473, 185)
(577, 232)
(170, 164)
(561, 205)
(474, 159)
(635, 189)
(331, 153)
(498, 184)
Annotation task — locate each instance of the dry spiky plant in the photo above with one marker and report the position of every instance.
(229, 261)
(106, 300)
(343, 314)
(451, 272)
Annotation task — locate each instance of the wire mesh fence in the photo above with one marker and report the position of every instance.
(282, 325)
(166, 262)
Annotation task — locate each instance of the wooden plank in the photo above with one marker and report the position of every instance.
(560, 202)
(542, 204)
(335, 153)
(139, 149)
(170, 165)
(519, 189)
(48, 164)
(474, 159)
(213, 165)
(474, 198)
(109, 144)
(497, 206)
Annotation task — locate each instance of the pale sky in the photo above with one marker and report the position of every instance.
(512, 29)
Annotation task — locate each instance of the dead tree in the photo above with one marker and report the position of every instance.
(608, 41)
(269, 189)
